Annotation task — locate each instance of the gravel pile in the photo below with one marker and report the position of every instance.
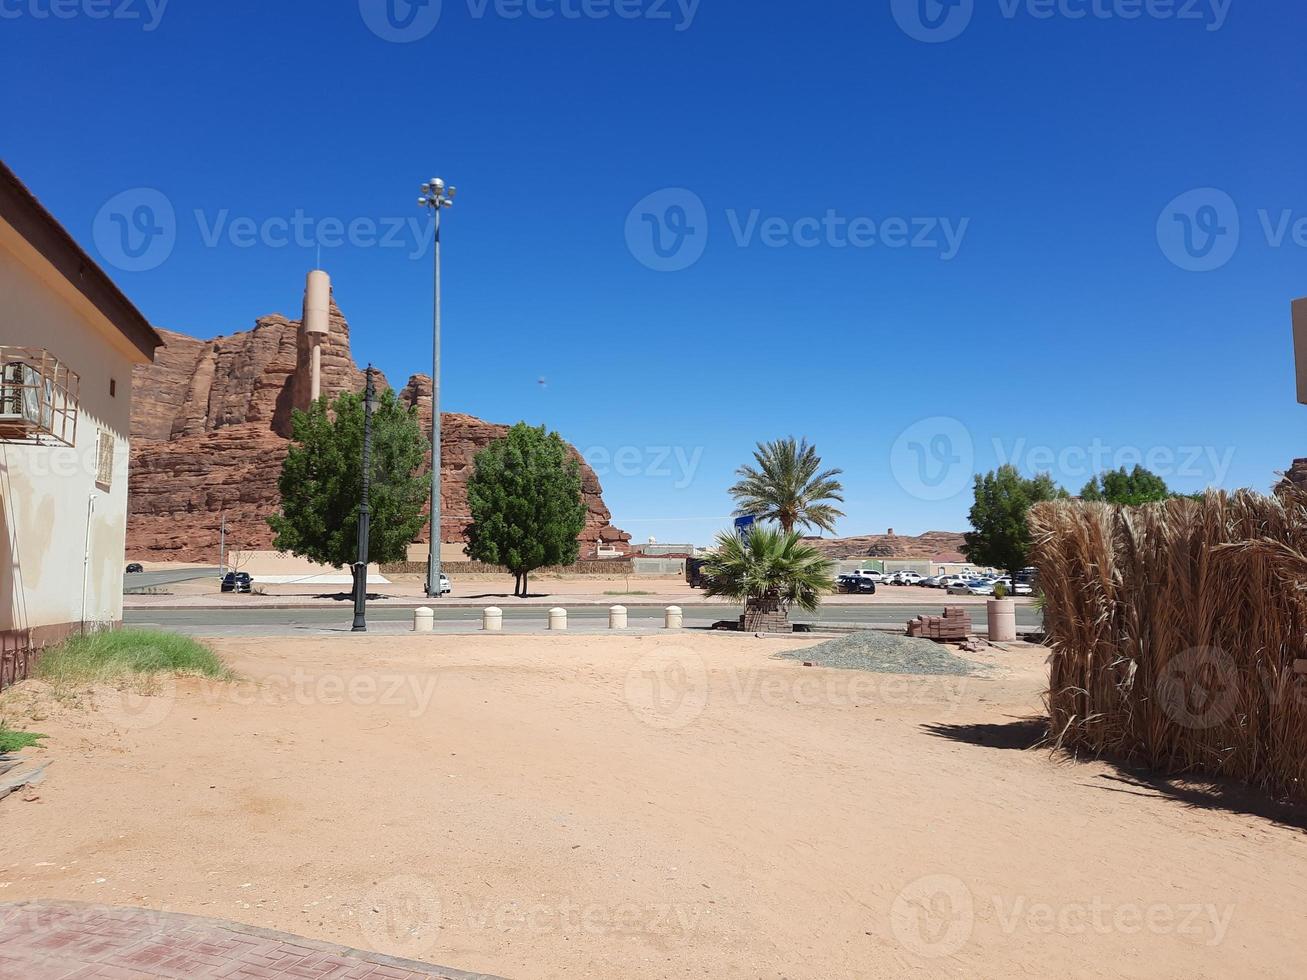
(885, 653)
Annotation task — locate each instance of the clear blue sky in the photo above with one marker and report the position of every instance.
(1063, 324)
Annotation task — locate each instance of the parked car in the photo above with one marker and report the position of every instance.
(908, 578)
(856, 584)
(135, 568)
(1015, 588)
(972, 587)
(237, 582)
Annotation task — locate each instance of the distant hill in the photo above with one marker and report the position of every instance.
(934, 545)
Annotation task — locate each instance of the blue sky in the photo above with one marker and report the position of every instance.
(1001, 232)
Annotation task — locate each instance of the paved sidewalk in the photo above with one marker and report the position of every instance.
(40, 940)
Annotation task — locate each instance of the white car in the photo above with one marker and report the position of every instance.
(1019, 588)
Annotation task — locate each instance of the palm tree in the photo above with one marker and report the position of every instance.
(786, 486)
(770, 571)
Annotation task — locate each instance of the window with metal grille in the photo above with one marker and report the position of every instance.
(104, 460)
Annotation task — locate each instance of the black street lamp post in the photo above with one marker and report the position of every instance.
(365, 512)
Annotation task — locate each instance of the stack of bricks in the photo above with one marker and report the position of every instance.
(765, 616)
(955, 624)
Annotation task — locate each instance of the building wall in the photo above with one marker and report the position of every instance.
(46, 519)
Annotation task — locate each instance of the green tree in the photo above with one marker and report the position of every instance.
(1000, 536)
(526, 503)
(322, 481)
(788, 486)
(1130, 488)
(768, 569)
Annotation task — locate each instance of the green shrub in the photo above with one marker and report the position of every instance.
(112, 655)
(12, 741)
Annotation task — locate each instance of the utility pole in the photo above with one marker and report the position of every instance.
(222, 545)
(437, 197)
(365, 512)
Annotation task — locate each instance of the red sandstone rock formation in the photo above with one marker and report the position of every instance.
(210, 428)
(937, 545)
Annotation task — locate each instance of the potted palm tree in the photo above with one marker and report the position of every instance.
(789, 486)
(771, 571)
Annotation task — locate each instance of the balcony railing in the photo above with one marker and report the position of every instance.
(38, 397)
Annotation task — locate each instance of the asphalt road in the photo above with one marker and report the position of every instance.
(150, 580)
(254, 621)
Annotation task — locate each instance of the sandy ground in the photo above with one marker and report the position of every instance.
(644, 807)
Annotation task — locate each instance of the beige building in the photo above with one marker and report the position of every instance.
(68, 341)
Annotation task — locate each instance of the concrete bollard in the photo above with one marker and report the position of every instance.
(617, 618)
(558, 618)
(674, 618)
(492, 619)
(424, 620)
(1002, 615)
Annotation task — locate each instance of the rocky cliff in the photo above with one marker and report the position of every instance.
(210, 428)
(934, 545)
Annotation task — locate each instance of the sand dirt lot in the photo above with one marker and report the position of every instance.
(645, 807)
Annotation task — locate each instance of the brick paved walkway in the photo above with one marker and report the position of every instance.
(40, 940)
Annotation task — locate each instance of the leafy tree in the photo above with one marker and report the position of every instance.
(1138, 486)
(768, 568)
(322, 481)
(1000, 535)
(788, 486)
(526, 503)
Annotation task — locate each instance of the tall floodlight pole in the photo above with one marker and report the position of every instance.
(365, 511)
(437, 196)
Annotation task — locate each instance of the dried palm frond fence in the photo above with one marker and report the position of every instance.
(1179, 632)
